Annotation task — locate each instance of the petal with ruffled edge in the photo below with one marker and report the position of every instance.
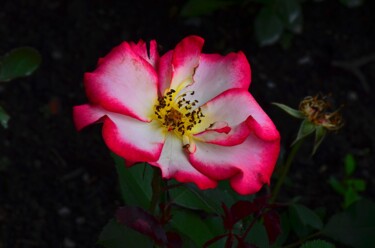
(86, 114)
(185, 60)
(124, 83)
(248, 165)
(173, 163)
(151, 56)
(129, 138)
(132, 139)
(216, 74)
(236, 107)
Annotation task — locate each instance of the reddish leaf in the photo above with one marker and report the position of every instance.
(242, 209)
(143, 222)
(227, 218)
(215, 239)
(229, 242)
(174, 240)
(272, 225)
(243, 244)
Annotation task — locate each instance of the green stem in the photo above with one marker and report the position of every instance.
(285, 169)
(299, 242)
(156, 190)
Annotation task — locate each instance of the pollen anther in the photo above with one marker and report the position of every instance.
(178, 114)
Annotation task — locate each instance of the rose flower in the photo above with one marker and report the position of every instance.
(188, 113)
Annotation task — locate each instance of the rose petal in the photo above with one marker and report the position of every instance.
(216, 74)
(185, 60)
(173, 163)
(132, 139)
(235, 106)
(248, 165)
(151, 56)
(86, 114)
(123, 83)
(165, 72)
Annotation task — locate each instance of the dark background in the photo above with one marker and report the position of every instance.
(58, 187)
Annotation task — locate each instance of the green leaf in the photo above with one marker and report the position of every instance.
(356, 184)
(320, 134)
(268, 27)
(4, 118)
(305, 129)
(293, 112)
(307, 216)
(354, 227)
(20, 62)
(195, 228)
(350, 197)
(135, 182)
(352, 3)
(285, 227)
(317, 244)
(258, 236)
(289, 10)
(185, 197)
(350, 164)
(199, 7)
(336, 185)
(115, 235)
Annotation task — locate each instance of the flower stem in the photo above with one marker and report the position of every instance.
(285, 169)
(156, 190)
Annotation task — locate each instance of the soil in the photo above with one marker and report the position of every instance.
(58, 187)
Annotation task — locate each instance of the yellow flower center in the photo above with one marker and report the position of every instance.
(178, 114)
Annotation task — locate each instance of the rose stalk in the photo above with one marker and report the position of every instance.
(188, 113)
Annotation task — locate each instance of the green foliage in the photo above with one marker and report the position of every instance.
(307, 216)
(135, 183)
(258, 236)
(317, 244)
(352, 3)
(195, 228)
(349, 187)
(20, 62)
(350, 164)
(199, 7)
(115, 235)
(354, 227)
(275, 18)
(4, 118)
(303, 220)
(268, 27)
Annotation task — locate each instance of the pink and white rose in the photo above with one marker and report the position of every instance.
(186, 112)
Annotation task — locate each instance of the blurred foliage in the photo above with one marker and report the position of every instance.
(189, 217)
(4, 118)
(20, 62)
(276, 20)
(349, 187)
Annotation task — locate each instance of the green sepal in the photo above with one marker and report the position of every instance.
(292, 112)
(320, 133)
(305, 129)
